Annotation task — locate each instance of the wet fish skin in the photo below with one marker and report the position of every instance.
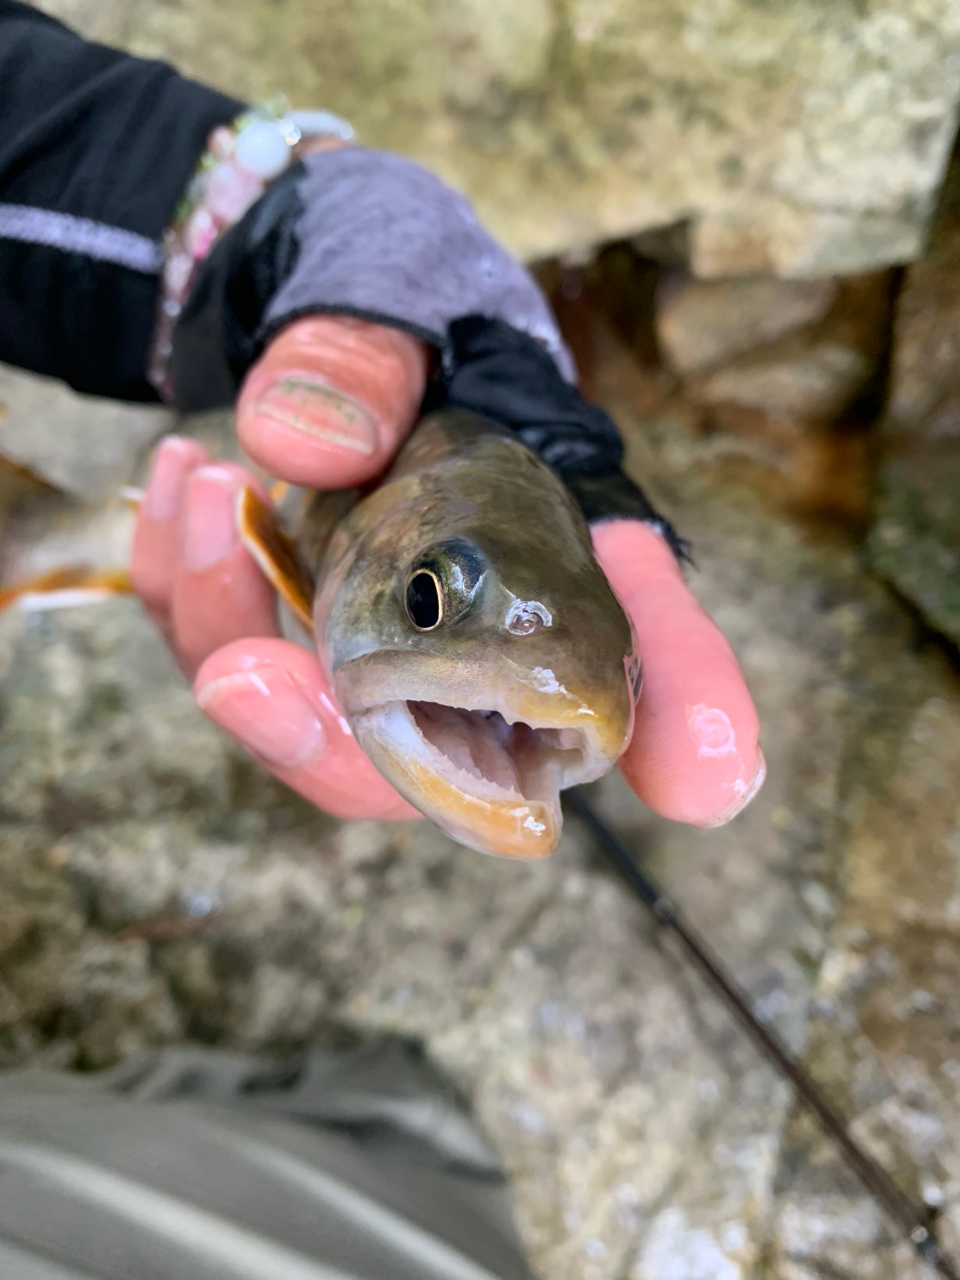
(531, 633)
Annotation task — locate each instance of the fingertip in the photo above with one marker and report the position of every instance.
(155, 553)
(331, 400)
(695, 756)
(219, 593)
(173, 461)
(275, 699)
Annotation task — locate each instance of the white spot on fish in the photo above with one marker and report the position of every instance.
(531, 824)
(711, 730)
(547, 682)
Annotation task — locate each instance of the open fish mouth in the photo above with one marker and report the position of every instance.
(491, 781)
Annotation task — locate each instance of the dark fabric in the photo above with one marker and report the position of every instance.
(505, 375)
(219, 335)
(91, 132)
(350, 232)
(340, 1164)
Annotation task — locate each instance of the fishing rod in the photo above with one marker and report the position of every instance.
(914, 1218)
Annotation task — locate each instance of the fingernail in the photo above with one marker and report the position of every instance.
(165, 489)
(746, 793)
(320, 411)
(210, 527)
(266, 711)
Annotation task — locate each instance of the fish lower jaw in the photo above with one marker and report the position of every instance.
(492, 785)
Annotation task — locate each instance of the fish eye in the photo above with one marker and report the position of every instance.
(425, 600)
(443, 582)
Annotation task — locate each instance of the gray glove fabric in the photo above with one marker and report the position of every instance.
(358, 233)
(383, 238)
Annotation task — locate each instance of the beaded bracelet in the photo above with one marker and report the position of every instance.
(241, 161)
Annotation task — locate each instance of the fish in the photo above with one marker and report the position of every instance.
(473, 643)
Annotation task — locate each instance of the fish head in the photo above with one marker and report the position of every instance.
(484, 663)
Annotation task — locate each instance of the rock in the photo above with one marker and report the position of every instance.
(801, 139)
(807, 382)
(795, 352)
(888, 1010)
(85, 446)
(702, 323)
(915, 542)
(156, 885)
(795, 411)
(926, 349)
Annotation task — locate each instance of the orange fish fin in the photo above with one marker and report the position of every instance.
(69, 585)
(276, 554)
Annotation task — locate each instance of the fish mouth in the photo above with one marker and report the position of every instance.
(491, 781)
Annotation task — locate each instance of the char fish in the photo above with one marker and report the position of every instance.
(472, 640)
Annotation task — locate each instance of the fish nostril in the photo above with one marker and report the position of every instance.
(526, 616)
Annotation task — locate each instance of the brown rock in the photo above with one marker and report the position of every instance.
(703, 323)
(794, 413)
(925, 366)
(915, 542)
(813, 381)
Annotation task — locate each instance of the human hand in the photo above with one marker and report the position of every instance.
(327, 406)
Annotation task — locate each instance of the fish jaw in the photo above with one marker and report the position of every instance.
(491, 819)
(486, 768)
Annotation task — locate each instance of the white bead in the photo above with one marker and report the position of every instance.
(320, 124)
(262, 150)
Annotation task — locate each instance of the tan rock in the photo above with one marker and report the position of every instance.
(814, 382)
(85, 446)
(799, 139)
(638, 1125)
(915, 541)
(925, 372)
(701, 323)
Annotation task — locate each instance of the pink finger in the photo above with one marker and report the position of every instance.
(330, 401)
(273, 697)
(695, 754)
(156, 545)
(219, 594)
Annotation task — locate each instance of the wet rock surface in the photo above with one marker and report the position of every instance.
(915, 542)
(798, 139)
(156, 886)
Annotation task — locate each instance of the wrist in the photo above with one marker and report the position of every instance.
(240, 163)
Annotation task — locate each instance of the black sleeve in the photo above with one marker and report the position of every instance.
(96, 150)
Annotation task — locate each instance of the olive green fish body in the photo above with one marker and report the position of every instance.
(473, 641)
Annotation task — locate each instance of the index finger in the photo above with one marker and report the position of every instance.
(331, 400)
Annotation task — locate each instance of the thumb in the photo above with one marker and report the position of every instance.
(331, 400)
